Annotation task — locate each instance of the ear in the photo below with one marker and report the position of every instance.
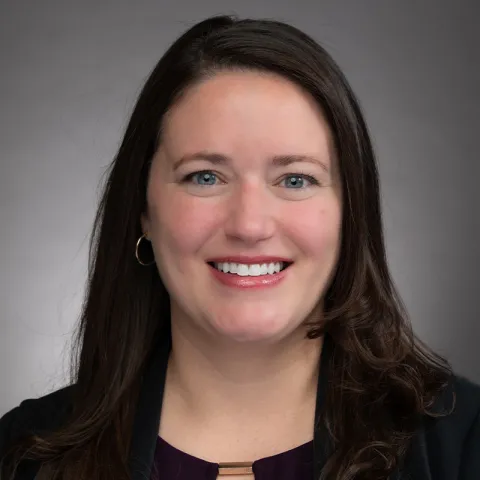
(144, 222)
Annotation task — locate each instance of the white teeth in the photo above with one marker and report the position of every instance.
(243, 270)
(249, 270)
(263, 269)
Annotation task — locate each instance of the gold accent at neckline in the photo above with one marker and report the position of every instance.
(235, 468)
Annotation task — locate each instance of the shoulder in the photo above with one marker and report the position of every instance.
(448, 446)
(35, 415)
(462, 400)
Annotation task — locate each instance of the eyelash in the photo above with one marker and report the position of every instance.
(188, 178)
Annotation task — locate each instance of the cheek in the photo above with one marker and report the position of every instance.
(183, 223)
(316, 228)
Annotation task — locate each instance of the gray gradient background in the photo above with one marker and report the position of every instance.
(70, 73)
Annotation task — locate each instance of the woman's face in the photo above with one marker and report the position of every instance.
(244, 184)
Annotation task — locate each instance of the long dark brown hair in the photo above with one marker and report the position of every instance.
(381, 377)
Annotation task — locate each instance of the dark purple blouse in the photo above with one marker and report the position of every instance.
(173, 464)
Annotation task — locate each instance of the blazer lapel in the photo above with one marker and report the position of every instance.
(147, 416)
(322, 446)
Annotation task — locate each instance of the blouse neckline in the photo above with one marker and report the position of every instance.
(304, 448)
(302, 455)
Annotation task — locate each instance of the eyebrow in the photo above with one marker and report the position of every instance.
(277, 160)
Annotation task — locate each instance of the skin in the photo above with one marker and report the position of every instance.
(241, 375)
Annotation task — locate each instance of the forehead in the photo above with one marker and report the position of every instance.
(246, 112)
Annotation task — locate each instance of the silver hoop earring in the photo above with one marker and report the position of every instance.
(139, 241)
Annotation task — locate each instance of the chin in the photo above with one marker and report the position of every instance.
(250, 329)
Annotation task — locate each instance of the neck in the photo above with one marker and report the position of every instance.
(242, 385)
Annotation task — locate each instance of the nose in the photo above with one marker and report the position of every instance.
(250, 216)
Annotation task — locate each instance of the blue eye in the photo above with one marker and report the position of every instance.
(299, 181)
(204, 178)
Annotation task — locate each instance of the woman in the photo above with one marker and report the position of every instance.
(239, 305)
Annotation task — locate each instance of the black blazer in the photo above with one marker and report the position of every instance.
(443, 449)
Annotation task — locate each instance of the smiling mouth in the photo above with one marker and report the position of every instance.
(250, 270)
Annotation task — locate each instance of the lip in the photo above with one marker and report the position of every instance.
(247, 260)
(258, 282)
